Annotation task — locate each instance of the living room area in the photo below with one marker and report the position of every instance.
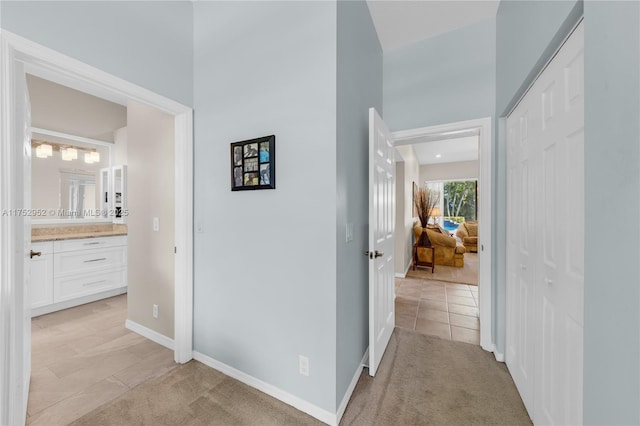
(437, 265)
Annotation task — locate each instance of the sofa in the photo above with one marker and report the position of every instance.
(468, 234)
(448, 251)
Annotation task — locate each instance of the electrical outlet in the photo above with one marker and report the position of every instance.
(156, 224)
(303, 365)
(155, 311)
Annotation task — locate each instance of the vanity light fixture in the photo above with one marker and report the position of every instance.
(69, 154)
(88, 158)
(95, 155)
(44, 150)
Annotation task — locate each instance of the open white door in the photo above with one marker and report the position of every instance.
(381, 226)
(24, 129)
(15, 242)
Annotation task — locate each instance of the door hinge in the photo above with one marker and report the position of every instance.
(175, 249)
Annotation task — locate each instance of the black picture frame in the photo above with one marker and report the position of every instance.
(253, 164)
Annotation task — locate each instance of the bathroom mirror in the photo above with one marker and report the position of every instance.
(66, 178)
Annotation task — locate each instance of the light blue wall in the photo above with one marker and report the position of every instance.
(447, 78)
(612, 179)
(265, 263)
(147, 43)
(527, 34)
(359, 87)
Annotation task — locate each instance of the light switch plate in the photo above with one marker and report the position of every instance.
(156, 224)
(349, 231)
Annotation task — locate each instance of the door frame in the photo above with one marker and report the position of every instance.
(52, 65)
(483, 128)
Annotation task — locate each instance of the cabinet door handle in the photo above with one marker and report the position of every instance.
(93, 283)
(91, 244)
(95, 260)
(35, 253)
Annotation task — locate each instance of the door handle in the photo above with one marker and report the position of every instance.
(374, 254)
(34, 253)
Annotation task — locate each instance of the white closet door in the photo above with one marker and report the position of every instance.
(558, 392)
(545, 163)
(521, 247)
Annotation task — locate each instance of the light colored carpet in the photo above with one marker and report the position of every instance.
(468, 274)
(422, 380)
(426, 380)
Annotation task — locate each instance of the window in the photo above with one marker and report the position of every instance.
(458, 202)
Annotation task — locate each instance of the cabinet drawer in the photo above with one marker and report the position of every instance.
(89, 243)
(78, 262)
(44, 247)
(67, 288)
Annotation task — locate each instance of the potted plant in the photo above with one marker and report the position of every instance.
(425, 201)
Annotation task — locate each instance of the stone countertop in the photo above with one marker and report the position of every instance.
(76, 235)
(56, 232)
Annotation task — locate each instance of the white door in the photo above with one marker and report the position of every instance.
(547, 335)
(15, 227)
(559, 269)
(520, 247)
(381, 226)
(24, 138)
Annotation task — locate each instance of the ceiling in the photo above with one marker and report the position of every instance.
(449, 150)
(62, 109)
(401, 22)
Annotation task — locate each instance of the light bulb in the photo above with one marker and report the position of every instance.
(95, 155)
(88, 158)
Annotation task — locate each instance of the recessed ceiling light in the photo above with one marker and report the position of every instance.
(438, 155)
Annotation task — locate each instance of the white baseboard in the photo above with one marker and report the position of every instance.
(406, 271)
(296, 402)
(498, 355)
(154, 336)
(77, 302)
(352, 386)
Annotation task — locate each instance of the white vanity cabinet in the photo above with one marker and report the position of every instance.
(41, 277)
(80, 271)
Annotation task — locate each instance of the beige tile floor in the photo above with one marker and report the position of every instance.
(84, 357)
(438, 308)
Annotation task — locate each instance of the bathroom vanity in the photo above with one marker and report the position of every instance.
(68, 271)
(79, 244)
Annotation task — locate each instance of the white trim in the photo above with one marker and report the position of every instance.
(483, 127)
(150, 334)
(183, 230)
(406, 269)
(498, 355)
(352, 386)
(44, 62)
(71, 137)
(77, 302)
(279, 394)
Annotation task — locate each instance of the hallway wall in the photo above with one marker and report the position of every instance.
(446, 78)
(265, 261)
(149, 43)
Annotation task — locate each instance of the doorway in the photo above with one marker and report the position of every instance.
(480, 128)
(21, 56)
